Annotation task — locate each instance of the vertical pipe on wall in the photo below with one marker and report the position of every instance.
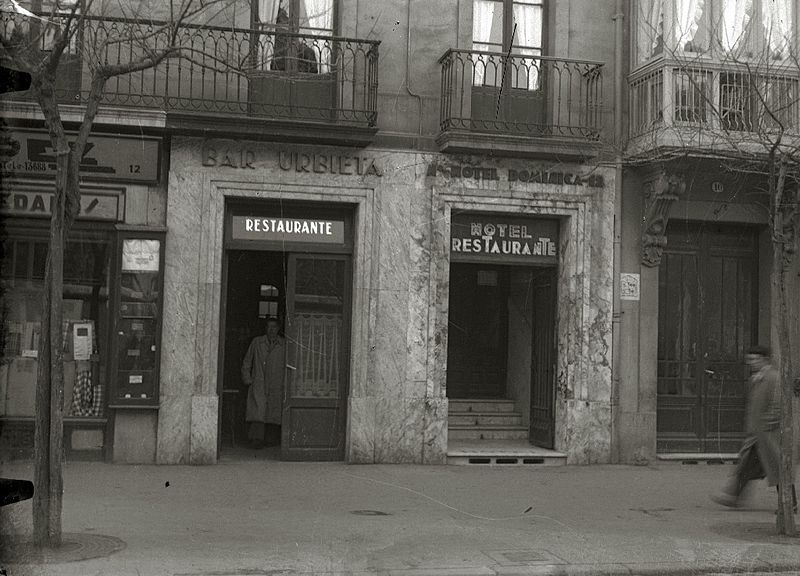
(408, 70)
(619, 20)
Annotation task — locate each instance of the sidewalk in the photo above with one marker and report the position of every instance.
(254, 517)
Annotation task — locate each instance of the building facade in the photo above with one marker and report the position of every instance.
(430, 199)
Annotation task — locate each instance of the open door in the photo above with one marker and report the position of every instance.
(542, 429)
(317, 312)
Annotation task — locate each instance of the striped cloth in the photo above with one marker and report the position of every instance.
(87, 398)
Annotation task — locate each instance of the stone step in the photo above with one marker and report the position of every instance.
(481, 405)
(495, 432)
(484, 418)
(501, 453)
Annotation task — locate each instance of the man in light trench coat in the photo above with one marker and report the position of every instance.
(760, 455)
(263, 374)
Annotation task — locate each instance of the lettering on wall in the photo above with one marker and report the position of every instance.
(534, 174)
(95, 205)
(234, 154)
(328, 164)
(503, 238)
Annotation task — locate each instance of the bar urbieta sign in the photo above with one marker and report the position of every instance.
(494, 238)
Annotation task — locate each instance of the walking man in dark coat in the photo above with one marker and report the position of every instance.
(263, 374)
(760, 454)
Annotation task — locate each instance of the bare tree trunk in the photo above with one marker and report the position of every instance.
(49, 429)
(780, 315)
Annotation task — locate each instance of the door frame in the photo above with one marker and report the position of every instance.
(286, 209)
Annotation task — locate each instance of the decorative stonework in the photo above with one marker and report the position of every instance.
(662, 192)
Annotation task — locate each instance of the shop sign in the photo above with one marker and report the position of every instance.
(95, 205)
(493, 238)
(137, 159)
(535, 174)
(275, 229)
(235, 154)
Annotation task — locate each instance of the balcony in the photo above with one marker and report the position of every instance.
(254, 82)
(706, 107)
(522, 105)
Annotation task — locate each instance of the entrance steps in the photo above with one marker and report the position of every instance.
(490, 431)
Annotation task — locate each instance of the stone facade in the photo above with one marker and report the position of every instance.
(397, 406)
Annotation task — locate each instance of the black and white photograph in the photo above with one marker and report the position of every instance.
(399, 287)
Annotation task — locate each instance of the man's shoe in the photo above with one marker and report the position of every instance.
(725, 500)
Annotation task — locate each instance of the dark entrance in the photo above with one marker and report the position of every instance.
(299, 272)
(501, 340)
(707, 319)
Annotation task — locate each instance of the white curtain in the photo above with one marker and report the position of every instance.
(687, 20)
(267, 14)
(777, 16)
(735, 19)
(482, 20)
(268, 11)
(651, 29)
(320, 15)
(528, 19)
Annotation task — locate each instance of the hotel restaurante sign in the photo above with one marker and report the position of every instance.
(493, 238)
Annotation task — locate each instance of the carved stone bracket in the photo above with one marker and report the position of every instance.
(662, 192)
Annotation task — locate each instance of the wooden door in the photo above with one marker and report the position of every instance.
(317, 333)
(707, 319)
(543, 360)
(477, 341)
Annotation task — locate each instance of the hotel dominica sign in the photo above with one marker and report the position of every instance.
(495, 238)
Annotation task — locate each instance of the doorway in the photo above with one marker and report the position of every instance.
(501, 341)
(293, 263)
(707, 297)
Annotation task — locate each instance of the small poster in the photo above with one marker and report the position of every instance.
(82, 340)
(629, 286)
(140, 255)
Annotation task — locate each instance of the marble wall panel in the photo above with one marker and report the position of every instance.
(389, 349)
(203, 449)
(361, 431)
(586, 434)
(392, 220)
(174, 429)
(434, 435)
(398, 429)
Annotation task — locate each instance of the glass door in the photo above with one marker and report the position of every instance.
(317, 335)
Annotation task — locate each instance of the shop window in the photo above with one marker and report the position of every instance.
(84, 329)
(138, 322)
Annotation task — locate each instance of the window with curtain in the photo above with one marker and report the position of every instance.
(294, 35)
(498, 25)
(747, 29)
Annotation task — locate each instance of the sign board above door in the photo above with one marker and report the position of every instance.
(281, 229)
(503, 239)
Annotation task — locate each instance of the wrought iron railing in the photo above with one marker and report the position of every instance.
(714, 96)
(519, 94)
(253, 72)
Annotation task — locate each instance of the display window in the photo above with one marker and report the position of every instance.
(85, 327)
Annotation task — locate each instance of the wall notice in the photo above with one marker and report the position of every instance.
(629, 286)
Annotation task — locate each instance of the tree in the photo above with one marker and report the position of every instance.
(741, 107)
(36, 42)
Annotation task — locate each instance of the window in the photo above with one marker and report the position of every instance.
(85, 328)
(746, 29)
(294, 31)
(500, 25)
